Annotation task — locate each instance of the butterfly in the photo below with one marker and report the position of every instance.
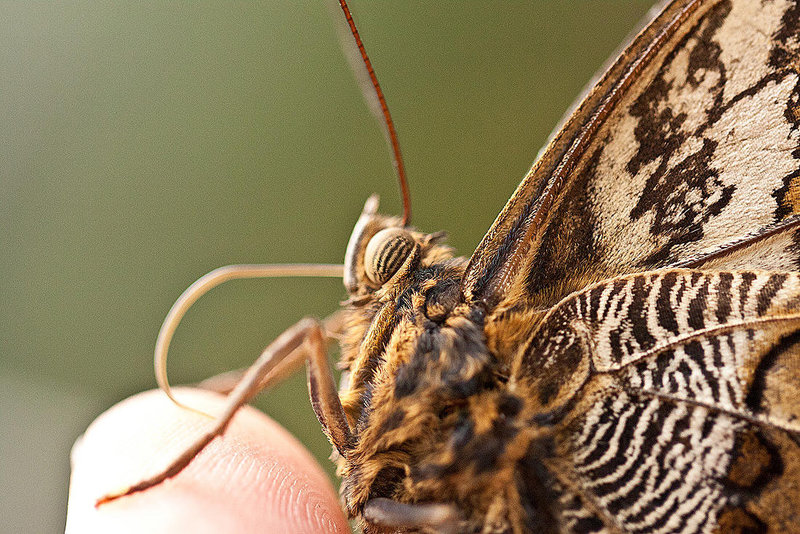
(621, 353)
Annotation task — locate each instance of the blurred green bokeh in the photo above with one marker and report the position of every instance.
(144, 144)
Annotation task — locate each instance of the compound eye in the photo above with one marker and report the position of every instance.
(385, 253)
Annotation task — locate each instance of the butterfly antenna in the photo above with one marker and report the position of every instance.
(372, 92)
(211, 280)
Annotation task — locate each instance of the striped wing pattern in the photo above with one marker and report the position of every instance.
(679, 390)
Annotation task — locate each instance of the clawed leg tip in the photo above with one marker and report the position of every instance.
(105, 499)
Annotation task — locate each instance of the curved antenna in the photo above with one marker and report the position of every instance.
(372, 92)
(208, 282)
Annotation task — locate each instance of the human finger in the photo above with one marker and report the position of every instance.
(255, 478)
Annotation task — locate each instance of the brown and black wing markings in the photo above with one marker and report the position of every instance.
(680, 394)
(688, 143)
(774, 247)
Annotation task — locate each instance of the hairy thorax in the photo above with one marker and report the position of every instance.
(428, 401)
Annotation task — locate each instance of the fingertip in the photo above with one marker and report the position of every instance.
(256, 478)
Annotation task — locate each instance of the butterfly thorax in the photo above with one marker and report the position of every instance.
(427, 398)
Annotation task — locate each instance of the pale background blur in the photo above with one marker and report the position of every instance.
(142, 145)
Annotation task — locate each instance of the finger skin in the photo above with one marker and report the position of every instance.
(255, 478)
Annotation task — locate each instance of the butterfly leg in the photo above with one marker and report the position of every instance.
(323, 393)
(286, 352)
(441, 518)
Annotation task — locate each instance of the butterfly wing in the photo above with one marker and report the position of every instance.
(685, 152)
(677, 394)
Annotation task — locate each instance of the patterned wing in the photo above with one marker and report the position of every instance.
(686, 150)
(676, 396)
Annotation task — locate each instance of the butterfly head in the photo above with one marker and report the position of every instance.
(381, 250)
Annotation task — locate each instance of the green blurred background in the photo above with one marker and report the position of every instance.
(142, 145)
